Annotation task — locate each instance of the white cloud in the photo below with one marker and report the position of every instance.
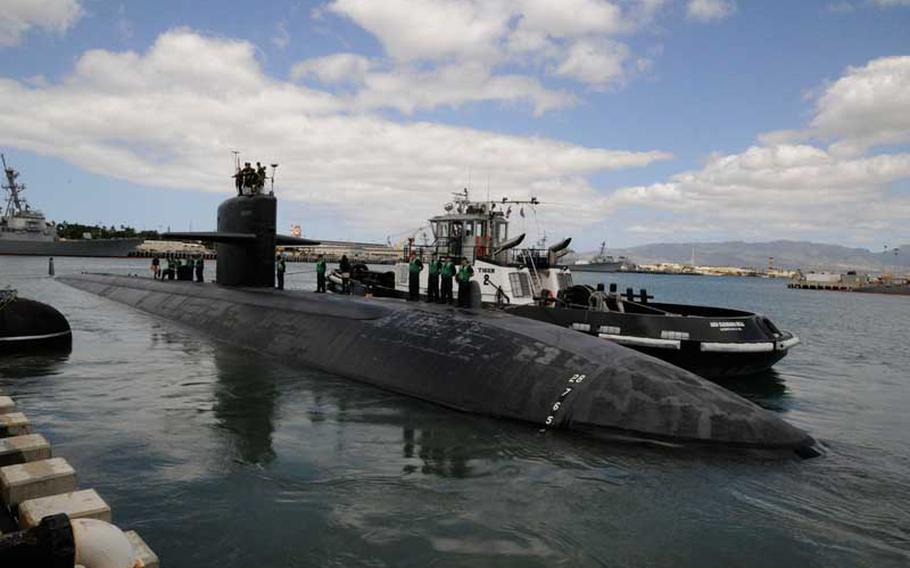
(18, 17)
(335, 68)
(168, 117)
(840, 7)
(428, 29)
(281, 38)
(888, 3)
(409, 89)
(800, 190)
(597, 63)
(574, 39)
(709, 10)
(868, 106)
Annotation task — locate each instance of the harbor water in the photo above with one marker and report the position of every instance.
(224, 457)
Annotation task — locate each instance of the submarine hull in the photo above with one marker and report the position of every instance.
(478, 361)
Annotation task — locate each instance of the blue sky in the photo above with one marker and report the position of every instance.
(633, 121)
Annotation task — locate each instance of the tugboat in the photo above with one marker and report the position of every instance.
(716, 343)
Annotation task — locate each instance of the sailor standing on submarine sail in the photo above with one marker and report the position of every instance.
(247, 177)
(320, 274)
(260, 178)
(464, 283)
(280, 266)
(414, 268)
(447, 273)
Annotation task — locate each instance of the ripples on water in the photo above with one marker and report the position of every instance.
(223, 457)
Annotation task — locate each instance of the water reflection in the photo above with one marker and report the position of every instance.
(766, 389)
(435, 448)
(245, 403)
(33, 363)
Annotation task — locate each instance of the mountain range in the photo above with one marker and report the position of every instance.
(787, 254)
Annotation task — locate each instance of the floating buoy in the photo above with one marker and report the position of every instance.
(27, 325)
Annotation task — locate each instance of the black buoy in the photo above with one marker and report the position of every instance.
(27, 325)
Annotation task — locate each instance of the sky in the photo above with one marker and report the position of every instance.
(632, 121)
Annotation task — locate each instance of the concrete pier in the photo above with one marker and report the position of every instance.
(22, 449)
(34, 485)
(13, 424)
(36, 479)
(84, 504)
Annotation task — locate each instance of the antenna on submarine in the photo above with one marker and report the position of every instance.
(272, 188)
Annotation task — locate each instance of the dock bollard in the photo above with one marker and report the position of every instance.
(50, 266)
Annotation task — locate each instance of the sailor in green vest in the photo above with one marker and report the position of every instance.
(280, 266)
(171, 267)
(465, 273)
(200, 268)
(188, 266)
(414, 268)
(433, 279)
(320, 274)
(447, 273)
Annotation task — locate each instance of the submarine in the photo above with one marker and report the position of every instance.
(479, 361)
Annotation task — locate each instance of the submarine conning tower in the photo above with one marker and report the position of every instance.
(247, 262)
(245, 240)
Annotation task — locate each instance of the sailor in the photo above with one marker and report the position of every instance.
(156, 267)
(320, 274)
(171, 271)
(464, 283)
(344, 267)
(433, 279)
(260, 177)
(447, 273)
(247, 175)
(200, 268)
(187, 272)
(280, 266)
(414, 267)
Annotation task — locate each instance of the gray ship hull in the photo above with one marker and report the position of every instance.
(597, 267)
(97, 248)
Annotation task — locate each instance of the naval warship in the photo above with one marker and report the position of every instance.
(25, 231)
(603, 262)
